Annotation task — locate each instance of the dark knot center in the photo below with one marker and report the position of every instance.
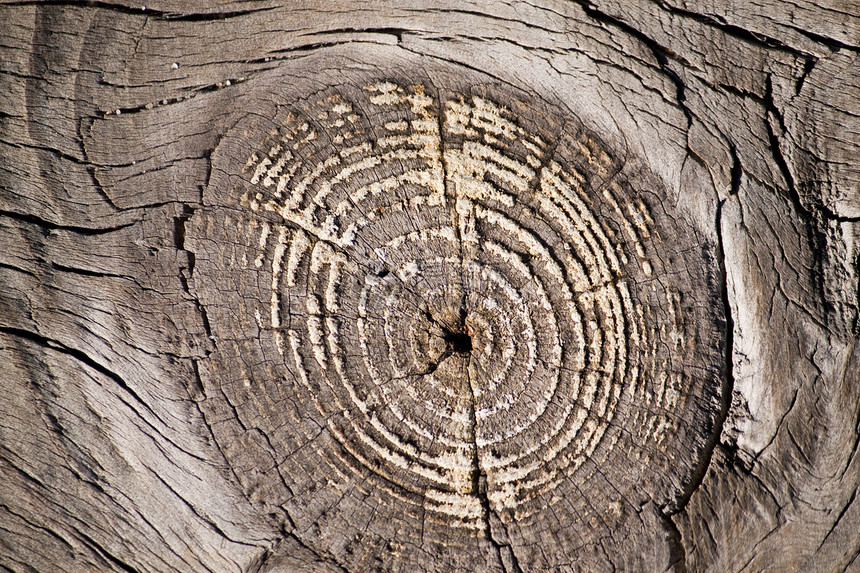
(459, 342)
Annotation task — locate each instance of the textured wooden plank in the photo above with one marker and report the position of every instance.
(554, 285)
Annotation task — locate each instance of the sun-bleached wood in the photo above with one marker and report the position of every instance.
(426, 287)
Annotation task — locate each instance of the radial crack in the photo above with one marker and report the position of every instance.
(505, 551)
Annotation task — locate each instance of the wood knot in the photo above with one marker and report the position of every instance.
(428, 283)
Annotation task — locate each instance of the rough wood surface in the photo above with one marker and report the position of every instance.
(566, 286)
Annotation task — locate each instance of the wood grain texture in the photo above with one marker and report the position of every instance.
(427, 287)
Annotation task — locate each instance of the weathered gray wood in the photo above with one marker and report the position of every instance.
(202, 370)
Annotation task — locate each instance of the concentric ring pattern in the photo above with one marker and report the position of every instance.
(466, 311)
